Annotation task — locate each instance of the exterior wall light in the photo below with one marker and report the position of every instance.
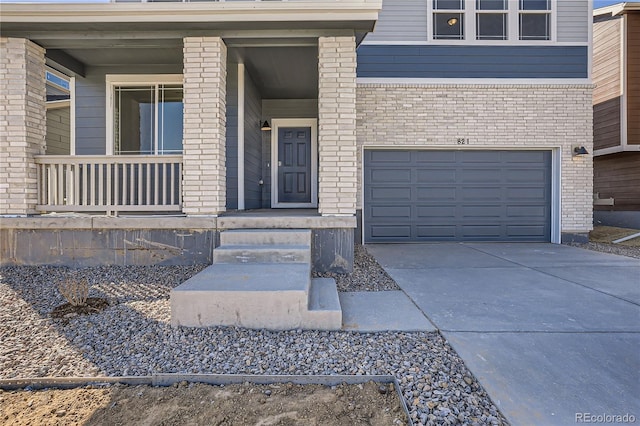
(579, 151)
(265, 126)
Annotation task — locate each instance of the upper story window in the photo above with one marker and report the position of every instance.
(448, 19)
(535, 19)
(491, 20)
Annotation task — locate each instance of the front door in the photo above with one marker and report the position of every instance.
(294, 165)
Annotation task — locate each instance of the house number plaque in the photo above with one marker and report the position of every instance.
(463, 141)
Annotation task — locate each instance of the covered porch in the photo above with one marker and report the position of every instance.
(166, 116)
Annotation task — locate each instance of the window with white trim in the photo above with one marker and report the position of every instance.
(146, 118)
(491, 20)
(534, 19)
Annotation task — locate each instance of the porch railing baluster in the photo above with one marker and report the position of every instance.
(109, 183)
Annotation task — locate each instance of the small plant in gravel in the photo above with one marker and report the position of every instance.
(75, 290)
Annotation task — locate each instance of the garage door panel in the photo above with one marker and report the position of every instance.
(390, 193)
(391, 231)
(481, 193)
(525, 175)
(457, 195)
(387, 157)
(528, 212)
(435, 194)
(438, 158)
(432, 175)
(533, 157)
(395, 175)
(522, 230)
(526, 193)
(390, 213)
(435, 232)
(432, 212)
(478, 230)
(493, 212)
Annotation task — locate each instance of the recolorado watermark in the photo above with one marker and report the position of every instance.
(605, 418)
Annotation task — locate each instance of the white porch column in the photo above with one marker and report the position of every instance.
(337, 126)
(204, 170)
(23, 123)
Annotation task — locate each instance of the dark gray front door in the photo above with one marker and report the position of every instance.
(424, 195)
(294, 165)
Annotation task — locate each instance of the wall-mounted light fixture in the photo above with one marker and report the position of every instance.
(579, 150)
(265, 126)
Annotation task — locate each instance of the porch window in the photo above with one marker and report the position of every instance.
(146, 118)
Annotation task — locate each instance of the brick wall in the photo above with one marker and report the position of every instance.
(204, 171)
(337, 126)
(491, 116)
(22, 123)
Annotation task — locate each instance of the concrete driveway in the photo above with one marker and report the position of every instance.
(552, 332)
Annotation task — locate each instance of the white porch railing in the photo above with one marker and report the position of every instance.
(109, 183)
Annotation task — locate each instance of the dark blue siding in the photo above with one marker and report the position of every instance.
(232, 136)
(388, 61)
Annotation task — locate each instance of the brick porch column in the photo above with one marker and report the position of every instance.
(337, 126)
(204, 171)
(22, 123)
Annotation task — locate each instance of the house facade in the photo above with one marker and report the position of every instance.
(364, 121)
(616, 114)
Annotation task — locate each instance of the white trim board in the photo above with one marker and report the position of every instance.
(241, 79)
(276, 123)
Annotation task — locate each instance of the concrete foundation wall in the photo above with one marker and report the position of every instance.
(94, 241)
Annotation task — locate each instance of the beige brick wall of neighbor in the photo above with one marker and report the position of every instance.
(22, 123)
(204, 170)
(337, 126)
(490, 116)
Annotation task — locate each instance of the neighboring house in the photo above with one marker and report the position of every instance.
(411, 120)
(616, 114)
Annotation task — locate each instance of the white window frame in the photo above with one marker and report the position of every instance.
(70, 103)
(114, 80)
(552, 29)
(513, 18)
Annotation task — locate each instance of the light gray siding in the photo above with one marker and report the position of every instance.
(280, 108)
(573, 21)
(58, 132)
(401, 20)
(90, 104)
(252, 145)
(232, 136)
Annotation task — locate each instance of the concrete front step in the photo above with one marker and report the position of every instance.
(325, 312)
(262, 254)
(266, 237)
(272, 296)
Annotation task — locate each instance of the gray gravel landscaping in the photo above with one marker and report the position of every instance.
(367, 274)
(618, 249)
(133, 337)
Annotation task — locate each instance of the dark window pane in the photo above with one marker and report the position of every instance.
(491, 5)
(535, 5)
(134, 120)
(534, 26)
(448, 4)
(491, 26)
(448, 26)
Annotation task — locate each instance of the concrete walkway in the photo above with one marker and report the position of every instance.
(552, 332)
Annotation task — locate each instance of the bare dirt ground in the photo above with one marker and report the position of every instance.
(200, 404)
(602, 237)
(607, 234)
